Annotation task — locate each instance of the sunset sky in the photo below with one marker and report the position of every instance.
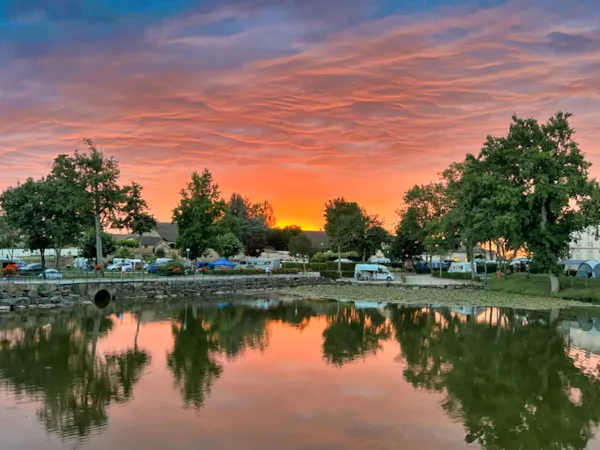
(294, 101)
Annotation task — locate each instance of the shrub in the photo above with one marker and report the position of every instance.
(98, 267)
(160, 252)
(173, 268)
(456, 275)
(334, 274)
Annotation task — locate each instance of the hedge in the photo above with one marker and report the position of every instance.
(456, 275)
(320, 267)
(334, 274)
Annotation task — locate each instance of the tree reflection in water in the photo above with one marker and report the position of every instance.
(58, 365)
(352, 334)
(512, 386)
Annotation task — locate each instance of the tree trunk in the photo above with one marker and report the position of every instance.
(440, 267)
(140, 245)
(99, 257)
(554, 283)
(57, 257)
(472, 263)
(43, 258)
(340, 260)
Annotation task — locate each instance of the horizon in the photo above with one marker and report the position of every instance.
(291, 102)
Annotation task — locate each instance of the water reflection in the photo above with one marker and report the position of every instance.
(57, 363)
(512, 385)
(511, 379)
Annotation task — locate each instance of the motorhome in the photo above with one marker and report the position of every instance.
(366, 272)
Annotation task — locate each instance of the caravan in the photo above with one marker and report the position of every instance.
(366, 272)
(261, 264)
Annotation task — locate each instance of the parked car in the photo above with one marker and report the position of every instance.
(51, 274)
(30, 269)
(119, 267)
(152, 268)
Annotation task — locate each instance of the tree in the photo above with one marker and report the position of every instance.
(29, 208)
(376, 238)
(88, 245)
(94, 190)
(249, 222)
(543, 193)
(407, 244)
(228, 245)
(136, 217)
(160, 252)
(279, 238)
(198, 214)
(301, 247)
(345, 224)
(9, 235)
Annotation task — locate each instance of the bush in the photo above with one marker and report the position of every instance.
(334, 274)
(160, 252)
(173, 268)
(456, 275)
(491, 268)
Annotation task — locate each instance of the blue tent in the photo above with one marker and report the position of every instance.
(221, 263)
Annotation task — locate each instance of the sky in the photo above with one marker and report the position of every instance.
(293, 101)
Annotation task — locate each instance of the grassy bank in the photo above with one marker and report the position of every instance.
(428, 296)
(587, 290)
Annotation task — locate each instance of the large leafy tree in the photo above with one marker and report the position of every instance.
(407, 244)
(94, 190)
(279, 238)
(345, 224)
(199, 214)
(135, 215)
(29, 208)
(250, 222)
(543, 193)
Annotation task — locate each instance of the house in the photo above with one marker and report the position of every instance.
(319, 240)
(164, 236)
(585, 245)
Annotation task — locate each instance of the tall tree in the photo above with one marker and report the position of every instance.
(345, 224)
(407, 244)
(136, 217)
(198, 214)
(301, 247)
(87, 245)
(544, 193)
(249, 222)
(95, 192)
(29, 207)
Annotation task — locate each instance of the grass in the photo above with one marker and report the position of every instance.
(581, 289)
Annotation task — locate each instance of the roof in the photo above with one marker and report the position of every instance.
(318, 239)
(168, 231)
(119, 237)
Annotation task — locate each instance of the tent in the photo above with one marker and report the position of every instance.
(343, 260)
(589, 269)
(571, 264)
(221, 264)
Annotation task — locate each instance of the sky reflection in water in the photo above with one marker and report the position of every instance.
(300, 375)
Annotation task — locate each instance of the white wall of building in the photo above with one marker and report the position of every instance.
(585, 246)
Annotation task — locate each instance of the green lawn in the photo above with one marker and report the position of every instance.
(571, 288)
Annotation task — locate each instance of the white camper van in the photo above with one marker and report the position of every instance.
(261, 263)
(366, 272)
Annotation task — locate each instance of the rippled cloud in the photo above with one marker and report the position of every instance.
(293, 101)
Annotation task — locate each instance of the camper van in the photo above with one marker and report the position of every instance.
(460, 267)
(261, 263)
(366, 272)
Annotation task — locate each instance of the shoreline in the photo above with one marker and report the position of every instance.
(437, 297)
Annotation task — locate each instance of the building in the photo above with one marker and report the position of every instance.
(163, 237)
(319, 240)
(585, 245)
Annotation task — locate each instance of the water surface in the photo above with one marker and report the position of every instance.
(265, 374)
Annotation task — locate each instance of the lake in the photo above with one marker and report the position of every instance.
(269, 374)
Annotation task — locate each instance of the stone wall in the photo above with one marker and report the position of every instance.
(15, 296)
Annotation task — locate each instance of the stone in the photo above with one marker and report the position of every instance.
(8, 302)
(49, 306)
(56, 299)
(33, 294)
(4, 309)
(33, 306)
